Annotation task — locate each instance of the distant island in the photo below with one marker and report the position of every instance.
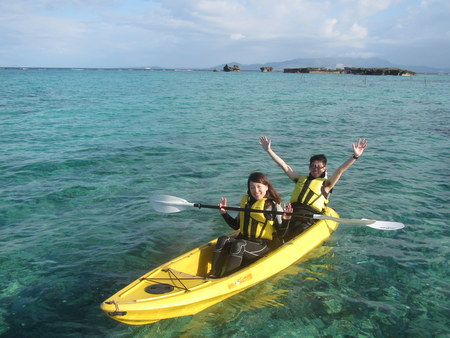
(323, 70)
(336, 64)
(351, 70)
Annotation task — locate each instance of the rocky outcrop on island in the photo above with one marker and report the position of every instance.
(351, 70)
(378, 71)
(266, 69)
(234, 68)
(307, 70)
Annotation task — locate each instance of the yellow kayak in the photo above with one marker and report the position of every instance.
(181, 287)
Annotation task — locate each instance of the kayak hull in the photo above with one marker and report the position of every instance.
(181, 287)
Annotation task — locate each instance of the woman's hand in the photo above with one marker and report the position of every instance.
(359, 147)
(288, 209)
(265, 143)
(222, 204)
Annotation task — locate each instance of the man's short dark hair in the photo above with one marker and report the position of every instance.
(319, 157)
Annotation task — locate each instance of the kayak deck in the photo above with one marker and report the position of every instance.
(181, 287)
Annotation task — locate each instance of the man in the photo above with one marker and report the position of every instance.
(311, 193)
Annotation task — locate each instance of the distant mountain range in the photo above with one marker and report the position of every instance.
(333, 63)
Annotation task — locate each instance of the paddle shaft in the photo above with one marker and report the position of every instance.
(198, 205)
(171, 204)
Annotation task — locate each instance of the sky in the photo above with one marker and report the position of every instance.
(206, 33)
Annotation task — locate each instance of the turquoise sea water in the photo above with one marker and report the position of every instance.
(82, 152)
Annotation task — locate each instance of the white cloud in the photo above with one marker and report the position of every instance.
(358, 32)
(237, 36)
(353, 35)
(369, 7)
(328, 28)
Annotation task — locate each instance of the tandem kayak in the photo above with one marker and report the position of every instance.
(181, 287)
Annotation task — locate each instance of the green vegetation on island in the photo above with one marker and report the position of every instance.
(351, 70)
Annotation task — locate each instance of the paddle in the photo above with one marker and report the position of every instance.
(170, 204)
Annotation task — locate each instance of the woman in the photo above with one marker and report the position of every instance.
(257, 230)
(311, 193)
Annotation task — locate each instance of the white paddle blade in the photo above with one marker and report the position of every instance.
(380, 225)
(383, 225)
(169, 204)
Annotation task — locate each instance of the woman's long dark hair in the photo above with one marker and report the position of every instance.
(257, 177)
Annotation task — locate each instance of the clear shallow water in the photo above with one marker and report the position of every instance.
(82, 152)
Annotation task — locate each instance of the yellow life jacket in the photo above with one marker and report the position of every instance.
(309, 192)
(255, 224)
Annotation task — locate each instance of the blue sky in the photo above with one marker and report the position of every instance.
(205, 33)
